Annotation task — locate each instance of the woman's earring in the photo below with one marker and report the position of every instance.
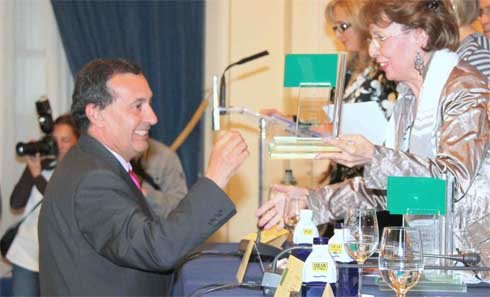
(419, 63)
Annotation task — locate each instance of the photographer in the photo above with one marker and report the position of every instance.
(29, 190)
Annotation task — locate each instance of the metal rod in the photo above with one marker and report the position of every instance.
(426, 267)
(339, 94)
(216, 109)
(448, 228)
(262, 138)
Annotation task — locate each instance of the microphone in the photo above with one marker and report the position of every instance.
(250, 58)
(222, 86)
(467, 258)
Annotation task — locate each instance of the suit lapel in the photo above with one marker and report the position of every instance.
(99, 151)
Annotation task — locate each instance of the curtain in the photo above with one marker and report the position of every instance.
(33, 65)
(164, 37)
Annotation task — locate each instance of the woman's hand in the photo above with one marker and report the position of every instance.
(271, 213)
(354, 150)
(34, 164)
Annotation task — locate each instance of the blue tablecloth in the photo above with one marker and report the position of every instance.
(207, 270)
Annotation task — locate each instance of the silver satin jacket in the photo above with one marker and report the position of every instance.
(461, 138)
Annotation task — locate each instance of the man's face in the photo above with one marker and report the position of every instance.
(127, 120)
(485, 16)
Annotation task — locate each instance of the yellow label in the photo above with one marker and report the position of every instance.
(335, 248)
(319, 266)
(308, 231)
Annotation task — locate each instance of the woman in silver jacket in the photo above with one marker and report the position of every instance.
(439, 126)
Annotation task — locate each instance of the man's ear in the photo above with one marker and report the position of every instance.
(94, 115)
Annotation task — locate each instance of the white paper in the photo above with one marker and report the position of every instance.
(365, 118)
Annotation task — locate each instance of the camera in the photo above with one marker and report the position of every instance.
(46, 146)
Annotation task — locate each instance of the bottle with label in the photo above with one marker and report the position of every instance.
(347, 277)
(305, 230)
(336, 246)
(319, 270)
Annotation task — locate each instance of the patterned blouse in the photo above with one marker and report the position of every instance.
(475, 49)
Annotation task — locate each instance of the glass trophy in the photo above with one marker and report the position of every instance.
(313, 76)
(426, 205)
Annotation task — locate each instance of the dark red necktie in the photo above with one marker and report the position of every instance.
(135, 178)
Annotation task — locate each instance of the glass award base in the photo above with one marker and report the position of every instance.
(292, 147)
(439, 283)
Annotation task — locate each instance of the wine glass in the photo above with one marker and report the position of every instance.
(292, 206)
(401, 259)
(361, 236)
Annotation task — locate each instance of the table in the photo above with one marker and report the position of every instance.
(213, 269)
(207, 269)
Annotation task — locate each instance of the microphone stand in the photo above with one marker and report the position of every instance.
(222, 85)
(263, 249)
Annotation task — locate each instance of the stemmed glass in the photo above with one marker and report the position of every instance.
(362, 236)
(292, 207)
(401, 259)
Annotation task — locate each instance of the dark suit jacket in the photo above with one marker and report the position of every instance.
(98, 236)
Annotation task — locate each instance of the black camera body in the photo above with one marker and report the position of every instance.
(44, 114)
(46, 146)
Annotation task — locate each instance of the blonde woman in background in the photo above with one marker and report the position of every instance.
(474, 47)
(365, 80)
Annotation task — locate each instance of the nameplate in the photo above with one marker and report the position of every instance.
(244, 264)
(328, 292)
(291, 278)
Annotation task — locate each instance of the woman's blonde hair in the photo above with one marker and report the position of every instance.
(466, 11)
(352, 8)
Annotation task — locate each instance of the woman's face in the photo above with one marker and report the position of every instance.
(350, 38)
(394, 47)
(65, 139)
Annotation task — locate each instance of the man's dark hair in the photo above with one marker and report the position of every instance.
(67, 119)
(91, 86)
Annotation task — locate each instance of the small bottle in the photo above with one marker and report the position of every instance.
(319, 270)
(288, 178)
(336, 246)
(347, 278)
(305, 230)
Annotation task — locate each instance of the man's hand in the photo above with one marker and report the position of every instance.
(355, 150)
(34, 165)
(227, 156)
(272, 212)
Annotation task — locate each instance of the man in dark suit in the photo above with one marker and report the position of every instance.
(98, 235)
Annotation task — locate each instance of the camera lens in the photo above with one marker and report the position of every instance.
(26, 148)
(45, 147)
